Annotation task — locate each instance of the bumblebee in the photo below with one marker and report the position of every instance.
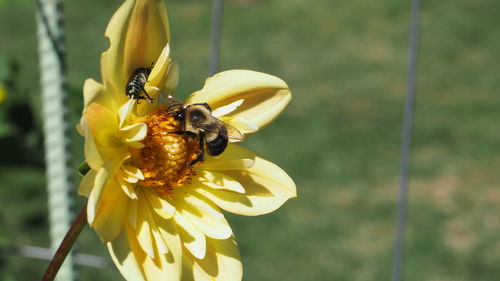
(197, 121)
(136, 82)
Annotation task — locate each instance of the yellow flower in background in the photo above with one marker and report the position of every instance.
(160, 217)
(3, 93)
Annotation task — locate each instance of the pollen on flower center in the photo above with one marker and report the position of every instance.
(163, 160)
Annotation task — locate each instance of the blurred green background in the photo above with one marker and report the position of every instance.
(340, 139)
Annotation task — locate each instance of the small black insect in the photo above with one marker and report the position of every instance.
(136, 82)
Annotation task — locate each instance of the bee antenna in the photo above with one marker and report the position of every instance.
(174, 105)
(207, 106)
(203, 104)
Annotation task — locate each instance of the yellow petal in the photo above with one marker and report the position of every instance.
(226, 109)
(132, 213)
(164, 78)
(205, 215)
(127, 262)
(264, 96)
(131, 173)
(101, 122)
(188, 270)
(141, 48)
(161, 245)
(172, 78)
(81, 126)
(96, 92)
(243, 125)
(192, 238)
(100, 183)
(222, 262)
(103, 126)
(134, 134)
(161, 206)
(134, 264)
(227, 163)
(198, 206)
(113, 71)
(3, 93)
(92, 155)
(127, 187)
(155, 237)
(170, 234)
(87, 183)
(219, 181)
(125, 111)
(111, 212)
(159, 242)
(137, 32)
(266, 185)
(160, 71)
(143, 228)
(90, 90)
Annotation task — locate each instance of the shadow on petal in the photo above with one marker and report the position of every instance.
(264, 97)
(222, 262)
(135, 264)
(266, 185)
(123, 255)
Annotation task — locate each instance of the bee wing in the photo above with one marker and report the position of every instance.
(216, 125)
(233, 133)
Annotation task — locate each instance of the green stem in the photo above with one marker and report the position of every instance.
(66, 245)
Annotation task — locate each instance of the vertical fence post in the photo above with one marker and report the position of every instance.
(217, 8)
(56, 131)
(406, 142)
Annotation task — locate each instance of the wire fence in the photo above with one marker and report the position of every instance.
(406, 142)
(54, 91)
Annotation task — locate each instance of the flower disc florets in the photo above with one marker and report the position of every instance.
(164, 158)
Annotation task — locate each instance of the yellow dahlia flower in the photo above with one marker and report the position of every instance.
(3, 92)
(160, 217)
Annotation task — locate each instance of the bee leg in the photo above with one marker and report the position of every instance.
(199, 158)
(147, 97)
(132, 98)
(201, 155)
(185, 133)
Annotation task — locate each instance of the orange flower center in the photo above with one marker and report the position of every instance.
(163, 161)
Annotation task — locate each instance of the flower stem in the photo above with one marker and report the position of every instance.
(66, 245)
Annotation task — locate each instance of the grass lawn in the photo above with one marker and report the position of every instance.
(345, 62)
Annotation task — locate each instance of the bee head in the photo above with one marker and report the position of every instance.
(197, 114)
(197, 117)
(177, 111)
(179, 115)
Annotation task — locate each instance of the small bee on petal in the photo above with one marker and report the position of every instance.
(136, 82)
